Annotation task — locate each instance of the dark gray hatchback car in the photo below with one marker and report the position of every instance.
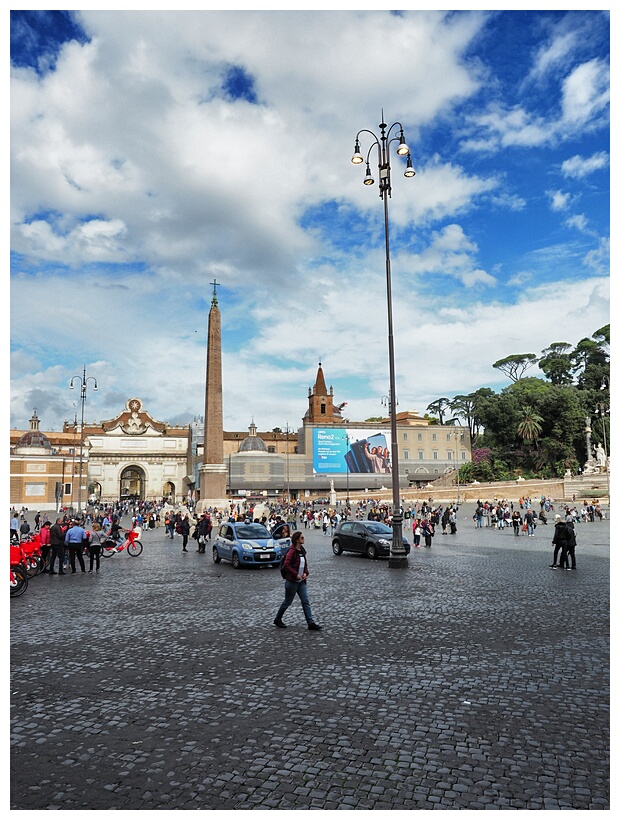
(370, 538)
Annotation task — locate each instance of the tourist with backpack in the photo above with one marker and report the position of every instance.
(294, 570)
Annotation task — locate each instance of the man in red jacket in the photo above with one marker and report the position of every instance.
(295, 571)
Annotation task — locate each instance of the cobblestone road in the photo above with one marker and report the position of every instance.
(475, 679)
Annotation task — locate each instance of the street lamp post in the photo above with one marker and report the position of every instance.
(288, 479)
(398, 556)
(458, 486)
(83, 379)
(347, 463)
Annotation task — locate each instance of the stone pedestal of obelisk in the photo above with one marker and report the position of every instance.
(213, 469)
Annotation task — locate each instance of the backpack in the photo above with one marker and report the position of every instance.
(282, 573)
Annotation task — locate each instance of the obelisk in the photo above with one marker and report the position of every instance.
(213, 470)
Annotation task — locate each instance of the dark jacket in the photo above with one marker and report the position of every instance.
(204, 526)
(290, 565)
(57, 536)
(561, 536)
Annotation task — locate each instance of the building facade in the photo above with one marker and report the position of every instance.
(135, 456)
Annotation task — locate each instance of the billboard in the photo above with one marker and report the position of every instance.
(338, 450)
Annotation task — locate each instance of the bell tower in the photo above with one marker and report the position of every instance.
(321, 403)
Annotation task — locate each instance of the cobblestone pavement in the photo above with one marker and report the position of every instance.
(475, 679)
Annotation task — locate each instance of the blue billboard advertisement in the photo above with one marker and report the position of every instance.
(338, 450)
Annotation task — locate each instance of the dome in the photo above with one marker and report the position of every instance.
(252, 444)
(34, 438)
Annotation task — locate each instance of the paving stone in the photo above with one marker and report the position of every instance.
(176, 691)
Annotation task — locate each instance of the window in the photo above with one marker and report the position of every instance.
(419, 436)
(271, 449)
(421, 455)
(323, 409)
(406, 455)
(448, 436)
(404, 436)
(435, 455)
(463, 455)
(434, 436)
(68, 489)
(449, 455)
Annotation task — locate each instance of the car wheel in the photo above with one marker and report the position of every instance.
(371, 550)
(337, 549)
(235, 560)
(216, 557)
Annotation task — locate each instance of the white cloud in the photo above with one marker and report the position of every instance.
(578, 221)
(585, 94)
(579, 167)
(559, 200)
(129, 154)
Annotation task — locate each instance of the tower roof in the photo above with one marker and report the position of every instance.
(320, 389)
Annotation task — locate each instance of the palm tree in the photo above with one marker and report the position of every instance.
(530, 426)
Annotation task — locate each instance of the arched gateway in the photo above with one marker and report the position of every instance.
(132, 483)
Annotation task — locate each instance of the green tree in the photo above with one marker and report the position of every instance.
(439, 407)
(591, 360)
(557, 363)
(515, 366)
(530, 427)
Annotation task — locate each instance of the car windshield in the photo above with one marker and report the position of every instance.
(252, 531)
(377, 528)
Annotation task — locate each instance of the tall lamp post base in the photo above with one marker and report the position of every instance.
(396, 562)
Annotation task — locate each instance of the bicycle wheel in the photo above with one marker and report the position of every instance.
(135, 548)
(19, 580)
(33, 565)
(107, 550)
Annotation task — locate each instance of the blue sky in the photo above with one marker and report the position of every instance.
(152, 152)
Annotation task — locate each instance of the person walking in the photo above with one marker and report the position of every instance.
(452, 521)
(416, 528)
(204, 529)
(57, 542)
(14, 526)
(94, 549)
(516, 522)
(561, 537)
(530, 522)
(74, 537)
(295, 571)
(185, 528)
(429, 532)
(45, 543)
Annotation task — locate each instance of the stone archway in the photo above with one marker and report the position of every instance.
(132, 484)
(94, 492)
(169, 492)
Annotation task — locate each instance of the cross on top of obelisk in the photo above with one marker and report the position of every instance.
(215, 284)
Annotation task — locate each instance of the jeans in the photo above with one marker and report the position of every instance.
(58, 551)
(292, 588)
(95, 552)
(530, 529)
(76, 551)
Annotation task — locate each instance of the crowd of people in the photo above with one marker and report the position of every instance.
(64, 539)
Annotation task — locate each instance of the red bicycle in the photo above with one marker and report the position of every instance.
(19, 573)
(134, 547)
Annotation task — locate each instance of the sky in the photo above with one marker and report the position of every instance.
(155, 152)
